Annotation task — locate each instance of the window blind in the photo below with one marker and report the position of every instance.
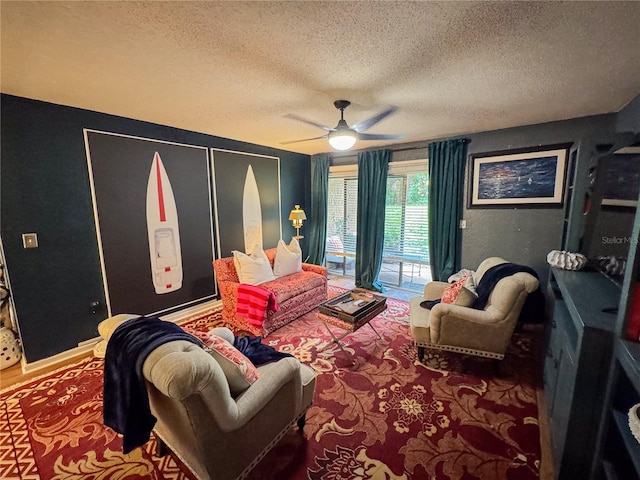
(406, 217)
(406, 211)
(342, 212)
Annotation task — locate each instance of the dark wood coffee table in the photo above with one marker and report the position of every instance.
(350, 311)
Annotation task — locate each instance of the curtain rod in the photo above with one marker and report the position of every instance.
(401, 149)
(389, 147)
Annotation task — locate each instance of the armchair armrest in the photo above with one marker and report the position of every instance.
(309, 267)
(433, 290)
(271, 383)
(464, 326)
(228, 290)
(467, 314)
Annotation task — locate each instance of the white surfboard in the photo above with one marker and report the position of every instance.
(164, 235)
(251, 213)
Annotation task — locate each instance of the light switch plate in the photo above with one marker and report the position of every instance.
(30, 240)
(463, 224)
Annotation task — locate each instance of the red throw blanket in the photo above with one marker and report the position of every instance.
(254, 302)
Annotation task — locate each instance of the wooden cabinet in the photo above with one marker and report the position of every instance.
(579, 347)
(618, 450)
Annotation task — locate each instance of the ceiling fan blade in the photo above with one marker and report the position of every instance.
(378, 136)
(310, 122)
(304, 140)
(367, 124)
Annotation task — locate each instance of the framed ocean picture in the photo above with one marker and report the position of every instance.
(512, 178)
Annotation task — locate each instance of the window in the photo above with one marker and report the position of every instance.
(406, 214)
(406, 226)
(405, 254)
(342, 212)
(342, 209)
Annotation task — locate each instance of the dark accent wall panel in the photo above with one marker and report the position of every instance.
(44, 188)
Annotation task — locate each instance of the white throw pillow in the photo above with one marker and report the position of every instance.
(288, 258)
(254, 269)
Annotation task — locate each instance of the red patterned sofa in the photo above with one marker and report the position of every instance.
(296, 294)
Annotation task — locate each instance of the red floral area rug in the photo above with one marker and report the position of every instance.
(377, 414)
(51, 429)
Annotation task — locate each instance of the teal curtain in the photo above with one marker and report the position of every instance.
(446, 184)
(318, 217)
(372, 195)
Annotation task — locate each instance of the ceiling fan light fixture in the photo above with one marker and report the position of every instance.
(342, 139)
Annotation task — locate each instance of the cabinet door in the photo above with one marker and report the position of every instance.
(562, 401)
(551, 364)
(558, 343)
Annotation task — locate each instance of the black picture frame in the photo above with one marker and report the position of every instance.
(119, 168)
(622, 179)
(229, 175)
(523, 178)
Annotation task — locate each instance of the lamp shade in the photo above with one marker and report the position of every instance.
(297, 215)
(342, 139)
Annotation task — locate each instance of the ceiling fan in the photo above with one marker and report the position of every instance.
(343, 137)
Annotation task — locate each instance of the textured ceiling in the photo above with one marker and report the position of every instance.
(234, 69)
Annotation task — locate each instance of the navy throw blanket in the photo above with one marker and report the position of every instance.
(258, 352)
(429, 304)
(533, 308)
(492, 276)
(126, 402)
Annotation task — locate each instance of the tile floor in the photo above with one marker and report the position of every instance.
(398, 277)
(391, 292)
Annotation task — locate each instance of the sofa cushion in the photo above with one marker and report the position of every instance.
(237, 368)
(288, 258)
(293, 285)
(419, 320)
(254, 269)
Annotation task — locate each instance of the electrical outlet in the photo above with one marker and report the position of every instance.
(30, 240)
(463, 224)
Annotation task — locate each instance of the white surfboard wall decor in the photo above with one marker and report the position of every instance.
(164, 235)
(251, 213)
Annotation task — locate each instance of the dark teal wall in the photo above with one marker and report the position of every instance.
(44, 188)
(523, 235)
(629, 117)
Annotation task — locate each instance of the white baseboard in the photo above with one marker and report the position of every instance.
(87, 345)
(191, 311)
(58, 358)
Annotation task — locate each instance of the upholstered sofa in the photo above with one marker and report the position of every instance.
(296, 294)
(219, 434)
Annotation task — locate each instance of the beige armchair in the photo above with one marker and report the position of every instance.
(219, 435)
(467, 330)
